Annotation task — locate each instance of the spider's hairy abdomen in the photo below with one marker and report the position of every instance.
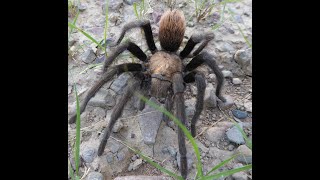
(165, 65)
(171, 30)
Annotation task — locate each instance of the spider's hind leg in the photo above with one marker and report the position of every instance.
(132, 86)
(199, 79)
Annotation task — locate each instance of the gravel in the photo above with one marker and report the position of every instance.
(234, 135)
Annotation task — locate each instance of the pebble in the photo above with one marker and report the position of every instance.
(83, 6)
(227, 74)
(239, 114)
(134, 158)
(88, 56)
(236, 81)
(228, 104)
(119, 84)
(210, 99)
(248, 106)
(190, 24)
(121, 155)
(231, 147)
(214, 134)
(234, 135)
(88, 154)
(135, 165)
(190, 107)
(95, 176)
(245, 154)
(109, 157)
(117, 126)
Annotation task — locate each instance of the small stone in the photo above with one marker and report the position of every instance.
(175, 163)
(236, 81)
(245, 154)
(109, 157)
(238, 19)
(190, 24)
(114, 146)
(217, 153)
(136, 164)
(88, 56)
(240, 176)
(119, 84)
(221, 67)
(117, 126)
(95, 176)
(103, 98)
(121, 155)
(193, 90)
(212, 77)
(88, 154)
(210, 98)
(114, 5)
(149, 122)
(248, 106)
(214, 134)
(226, 105)
(225, 47)
(230, 147)
(83, 6)
(190, 107)
(134, 158)
(239, 114)
(227, 73)
(172, 151)
(244, 59)
(234, 135)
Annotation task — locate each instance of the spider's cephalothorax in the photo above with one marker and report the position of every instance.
(161, 75)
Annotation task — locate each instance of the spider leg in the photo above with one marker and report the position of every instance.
(132, 86)
(193, 41)
(178, 89)
(128, 45)
(104, 79)
(209, 60)
(168, 106)
(199, 78)
(145, 25)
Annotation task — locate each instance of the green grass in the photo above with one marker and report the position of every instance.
(140, 9)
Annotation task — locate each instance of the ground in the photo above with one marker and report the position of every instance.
(232, 51)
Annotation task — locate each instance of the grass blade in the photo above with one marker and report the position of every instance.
(184, 129)
(71, 171)
(227, 173)
(86, 34)
(248, 142)
(106, 25)
(149, 160)
(77, 154)
(221, 19)
(222, 164)
(135, 10)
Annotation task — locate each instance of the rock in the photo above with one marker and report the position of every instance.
(134, 158)
(245, 154)
(96, 30)
(193, 90)
(225, 47)
(230, 147)
(119, 84)
(227, 74)
(210, 99)
(226, 105)
(88, 56)
(135, 165)
(88, 154)
(239, 114)
(248, 106)
(114, 5)
(190, 24)
(190, 107)
(95, 176)
(214, 134)
(143, 178)
(109, 157)
(236, 81)
(221, 67)
(83, 6)
(172, 151)
(117, 126)
(121, 155)
(103, 98)
(244, 59)
(149, 122)
(234, 135)
(222, 155)
(189, 160)
(212, 77)
(114, 146)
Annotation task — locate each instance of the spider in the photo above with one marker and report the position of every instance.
(162, 75)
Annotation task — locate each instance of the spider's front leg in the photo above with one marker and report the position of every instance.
(119, 69)
(199, 79)
(128, 45)
(193, 41)
(132, 86)
(145, 25)
(178, 89)
(208, 59)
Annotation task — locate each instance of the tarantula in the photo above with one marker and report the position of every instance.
(163, 75)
